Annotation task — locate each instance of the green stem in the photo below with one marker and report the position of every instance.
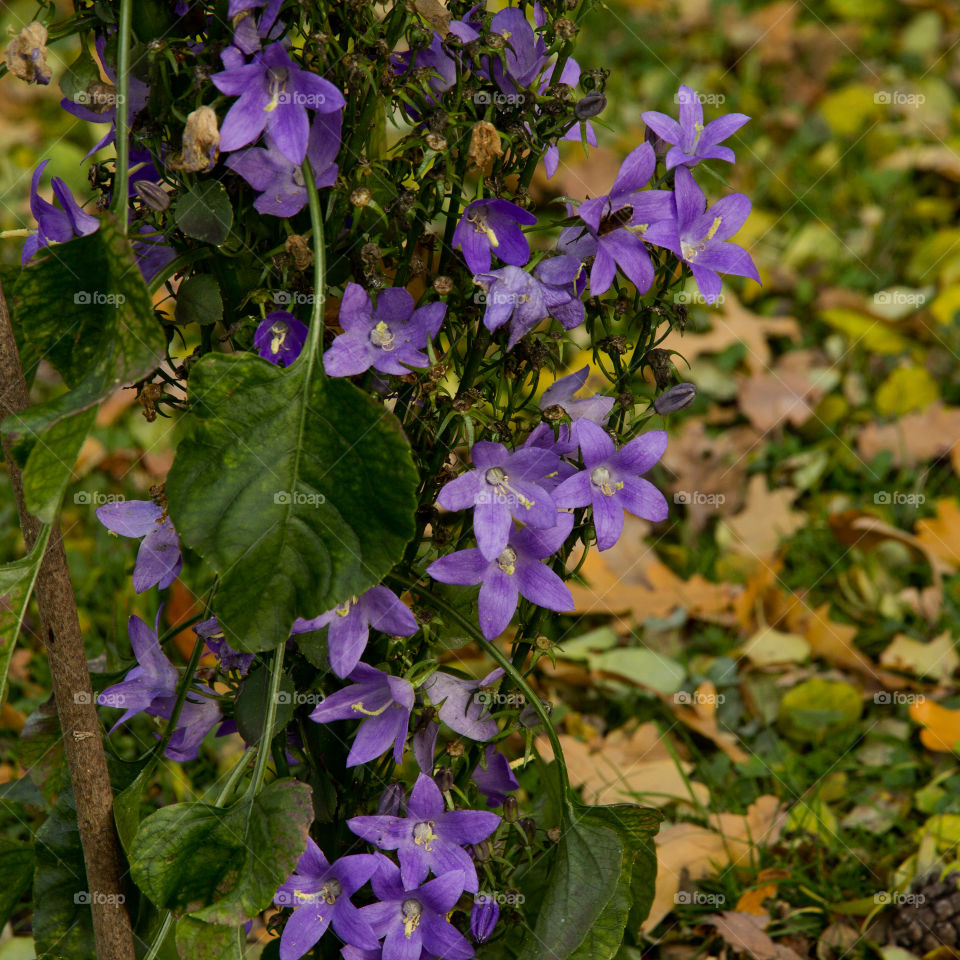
(122, 115)
(263, 747)
(315, 334)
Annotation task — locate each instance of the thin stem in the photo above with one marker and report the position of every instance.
(263, 747)
(122, 115)
(315, 333)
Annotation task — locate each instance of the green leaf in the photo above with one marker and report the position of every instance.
(197, 940)
(199, 301)
(41, 750)
(62, 922)
(126, 806)
(205, 212)
(16, 872)
(251, 705)
(223, 865)
(79, 75)
(299, 492)
(85, 308)
(16, 586)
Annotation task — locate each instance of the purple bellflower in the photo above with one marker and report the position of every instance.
(413, 920)
(54, 224)
(484, 917)
(493, 226)
(562, 281)
(320, 893)
(230, 659)
(151, 253)
(390, 337)
(151, 687)
(158, 560)
(611, 483)
(516, 571)
(274, 96)
(382, 702)
(515, 295)
(460, 707)
(280, 181)
(596, 407)
(579, 130)
(350, 626)
(429, 838)
(692, 140)
(280, 337)
(524, 53)
(496, 779)
(701, 237)
(248, 31)
(502, 485)
(614, 224)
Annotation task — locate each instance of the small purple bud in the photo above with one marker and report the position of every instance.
(390, 800)
(444, 779)
(590, 105)
(484, 917)
(510, 807)
(152, 194)
(678, 397)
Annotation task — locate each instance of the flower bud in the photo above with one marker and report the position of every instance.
(26, 54)
(152, 194)
(590, 105)
(201, 142)
(481, 851)
(529, 826)
(484, 917)
(510, 807)
(391, 800)
(444, 778)
(678, 397)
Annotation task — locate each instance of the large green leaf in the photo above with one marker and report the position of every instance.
(16, 872)
(85, 308)
(197, 940)
(222, 864)
(300, 492)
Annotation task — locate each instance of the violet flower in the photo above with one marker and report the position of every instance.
(562, 282)
(429, 838)
(230, 659)
(151, 687)
(413, 920)
(516, 571)
(495, 780)
(692, 140)
(158, 560)
(280, 182)
(274, 96)
(611, 483)
(54, 224)
(383, 702)
(513, 295)
(320, 893)
(484, 917)
(151, 252)
(579, 129)
(248, 31)
(524, 54)
(350, 625)
(595, 407)
(502, 485)
(460, 707)
(700, 237)
(390, 338)
(615, 223)
(280, 337)
(493, 226)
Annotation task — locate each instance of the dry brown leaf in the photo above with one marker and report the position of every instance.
(735, 324)
(702, 719)
(752, 900)
(765, 520)
(940, 159)
(941, 534)
(773, 24)
(914, 437)
(484, 145)
(746, 933)
(437, 13)
(936, 659)
(787, 393)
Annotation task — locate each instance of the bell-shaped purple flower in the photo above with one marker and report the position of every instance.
(493, 226)
(151, 252)
(560, 393)
(562, 282)
(274, 95)
(430, 838)
(496, 779)
(461, 708)
(158, 560)
(382, 702)
(248, 30)
(151, 687)
(611, 481)
(280, 337)
(524, 53)
(502, 485)
(516, 571)
(614, 224)
(54, 224)
(350, 625)
(230, 659)
(320, 893)
(390, 338)
(692, 140)
(701, 237)
(484, 917)
(413, 920)
(283, 191)
(513, 295)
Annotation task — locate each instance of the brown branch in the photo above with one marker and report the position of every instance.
(72, 690)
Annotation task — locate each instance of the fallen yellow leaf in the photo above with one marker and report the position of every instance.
(941, 725)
